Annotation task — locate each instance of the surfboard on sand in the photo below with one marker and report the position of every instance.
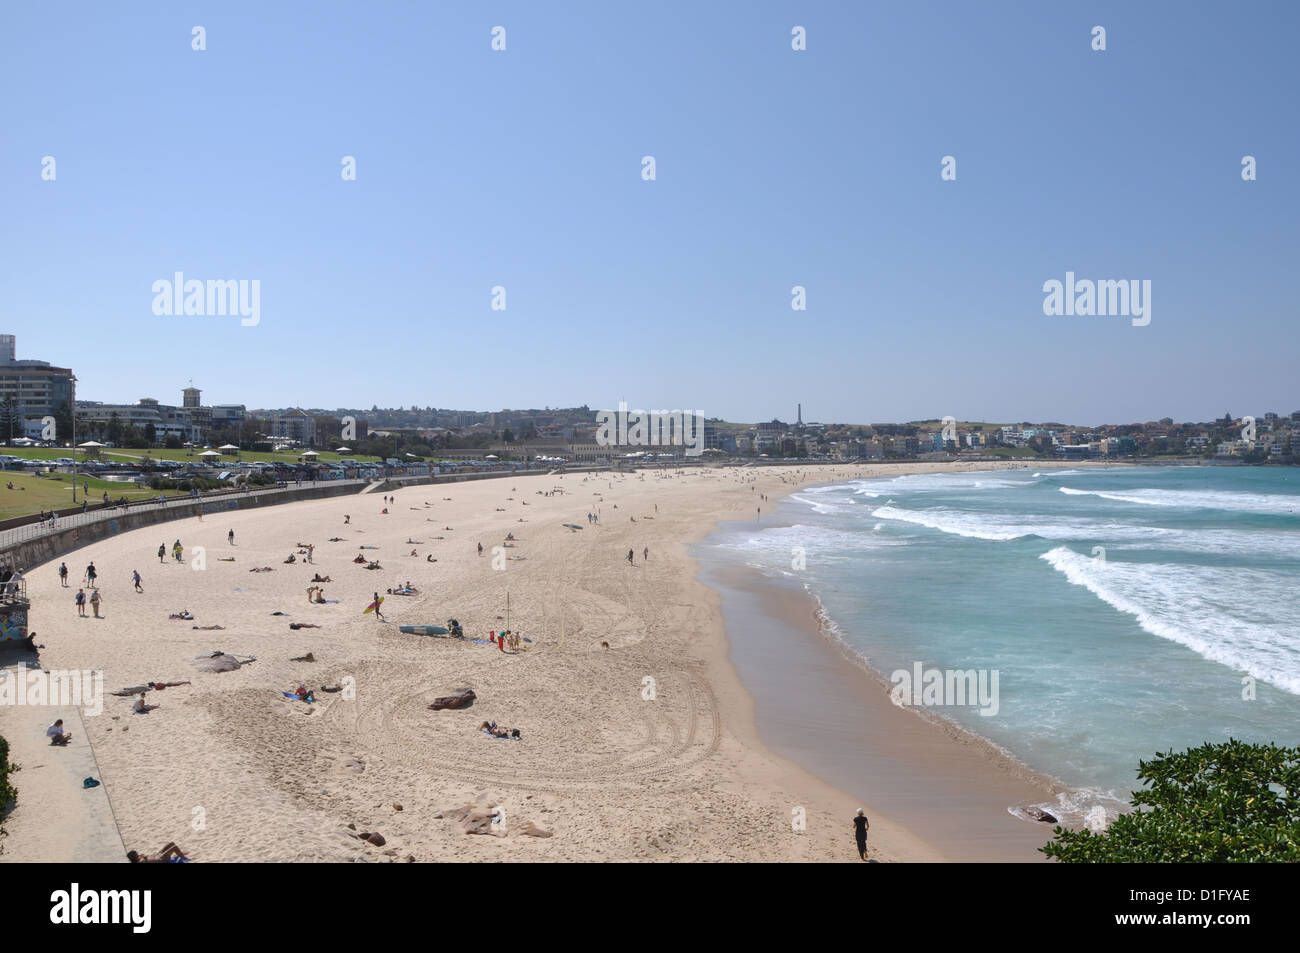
(373, 606)
(423, 629)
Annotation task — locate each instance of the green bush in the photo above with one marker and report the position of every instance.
(1218, 803)
(8, 793)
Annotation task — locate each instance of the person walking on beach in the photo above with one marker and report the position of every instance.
(135, 577)
(162, 552)
(90, 575)
(860, 827)
(230, 537)
(645, 554)
(178, 550)
(379, 616)
(630, 556)
(81, 602)
(63, 575)
(94, 602)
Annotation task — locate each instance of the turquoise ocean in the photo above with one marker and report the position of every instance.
(1127, 610)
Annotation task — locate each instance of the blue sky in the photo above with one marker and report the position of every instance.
(775, 168)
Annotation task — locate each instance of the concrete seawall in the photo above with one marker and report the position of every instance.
(53, 545)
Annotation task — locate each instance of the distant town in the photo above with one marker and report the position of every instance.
(35, 394)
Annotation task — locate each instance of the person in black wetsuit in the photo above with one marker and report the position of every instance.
(860, 826)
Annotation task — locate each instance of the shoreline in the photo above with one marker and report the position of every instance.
(853, 727)
(612, 775)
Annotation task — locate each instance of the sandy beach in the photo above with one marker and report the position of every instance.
(647, 749)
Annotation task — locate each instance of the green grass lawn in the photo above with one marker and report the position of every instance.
(32, 493)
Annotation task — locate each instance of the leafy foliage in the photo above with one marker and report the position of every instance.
(8, 793)
(1219, 803)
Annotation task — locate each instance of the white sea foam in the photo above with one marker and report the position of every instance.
(820, 506)
(1198, 499)
(1001, 528)
(952, 521)
(1230, 615)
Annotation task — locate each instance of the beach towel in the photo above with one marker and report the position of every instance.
(294, 696)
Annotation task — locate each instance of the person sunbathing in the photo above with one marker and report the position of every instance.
(319, 578)
(374, 565)
(332, 689)
(414, 553)
(359, 559)
(292, 558)
(302, 625)
(208, 628)
(183, 614)
(304, 694)
(336, 539)
(429, 558)
(159, 686)
(57, 735)
(141, 707)
(171, 854)
(262, 569)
